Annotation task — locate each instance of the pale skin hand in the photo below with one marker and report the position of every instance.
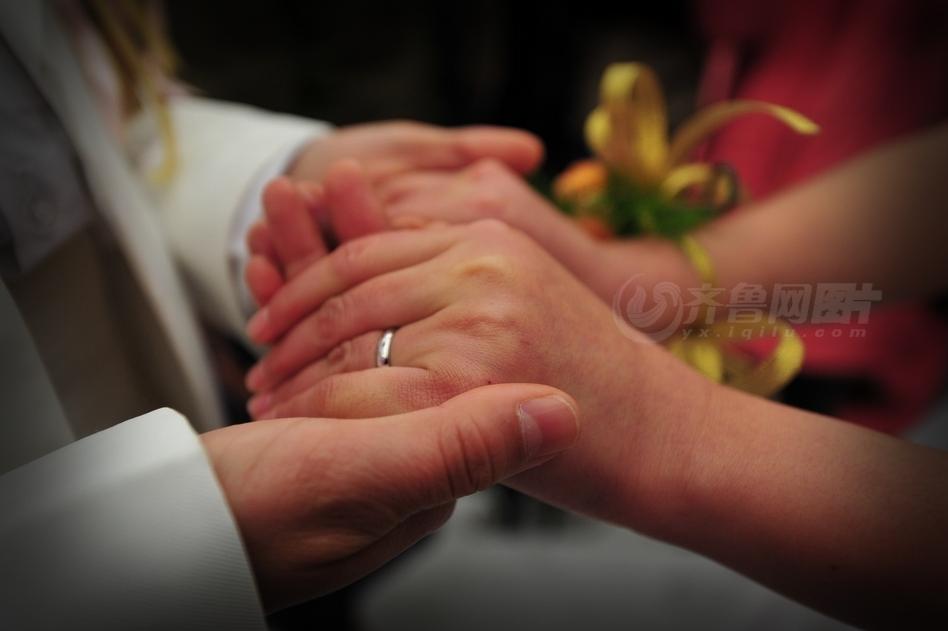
(321, 503)
(846, 520)
(386, 150)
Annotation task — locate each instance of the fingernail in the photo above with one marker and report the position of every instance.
(259, 404)
(256, 377)
(258, 325)
(548, 425)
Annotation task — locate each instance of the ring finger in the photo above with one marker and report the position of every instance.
(358, 353)
(393, 299)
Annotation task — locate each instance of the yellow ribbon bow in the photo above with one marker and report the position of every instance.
(628, 132)
(708, 348)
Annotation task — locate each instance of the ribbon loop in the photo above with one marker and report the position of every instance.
(643, 175)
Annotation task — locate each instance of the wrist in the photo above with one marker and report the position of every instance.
(674, 418)
(647, 412)
(652, 270)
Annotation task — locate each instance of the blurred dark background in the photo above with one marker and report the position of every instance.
(533, 65)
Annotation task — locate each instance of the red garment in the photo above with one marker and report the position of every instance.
(867, 72)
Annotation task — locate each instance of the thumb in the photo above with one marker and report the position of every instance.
(476, 439)
(354, 210)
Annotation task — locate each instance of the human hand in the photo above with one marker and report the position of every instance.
(486, 189)
(490, 189)
(393, 148)
(479, 303)
(320, 503)
(385, 150)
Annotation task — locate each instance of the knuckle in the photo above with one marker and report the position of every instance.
(340, 357)
(488, 269)
(490, 320)
(469, 462)
(504, 348)
(327, 321)
(348, 259)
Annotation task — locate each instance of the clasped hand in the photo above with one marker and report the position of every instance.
(475, 303)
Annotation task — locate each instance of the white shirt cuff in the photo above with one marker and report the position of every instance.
(125, 529)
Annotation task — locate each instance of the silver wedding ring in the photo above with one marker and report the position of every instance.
(383, 351)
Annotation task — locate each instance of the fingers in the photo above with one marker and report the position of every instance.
(518, 149)
(475, 440)
(260, 242)
(484, 189)
(394, 299)
(292, 229)
(459, 446)
(354, 210)
(263, 278)
(345, 267)
(350, 356)
(410, 343)
(443, 149)
(315, 195)
(362, 394)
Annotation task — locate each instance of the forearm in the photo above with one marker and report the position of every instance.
(645, 262)
(849, 521)
(878, 219)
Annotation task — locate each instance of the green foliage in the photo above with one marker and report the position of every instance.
(634, 211)
(631, 210)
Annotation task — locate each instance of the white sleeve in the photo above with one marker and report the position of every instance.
(224, 153)
(124, 529)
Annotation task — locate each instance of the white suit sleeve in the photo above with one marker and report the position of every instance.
(124, 529)
(226, 152)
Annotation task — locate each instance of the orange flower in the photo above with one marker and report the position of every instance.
(580, 180)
